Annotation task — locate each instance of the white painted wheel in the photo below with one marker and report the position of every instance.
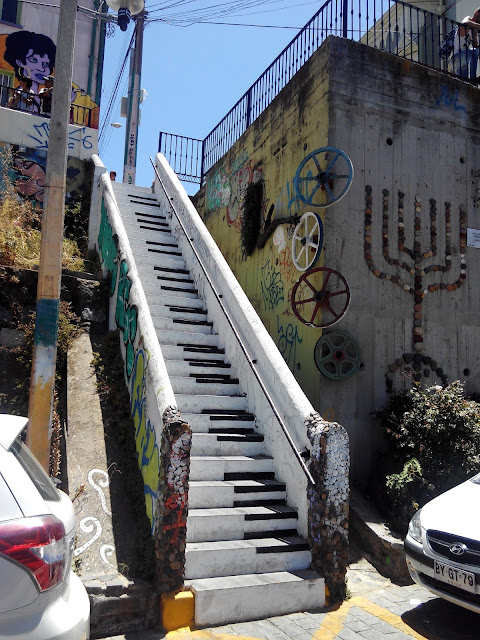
(307, 241)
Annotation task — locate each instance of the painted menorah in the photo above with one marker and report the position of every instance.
(414, 264)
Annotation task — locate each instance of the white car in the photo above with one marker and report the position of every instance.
(40, 597)
(442, 546)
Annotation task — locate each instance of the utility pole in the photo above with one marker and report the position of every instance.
(131, 135)
(50, 269)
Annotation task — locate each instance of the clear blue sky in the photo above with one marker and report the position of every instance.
(195, 74)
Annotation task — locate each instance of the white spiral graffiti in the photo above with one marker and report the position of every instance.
(88, 528)
(100, 486)
(107, 550)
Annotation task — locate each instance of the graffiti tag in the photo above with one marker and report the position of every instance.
(288, 340)
(449, 98)
(272, 286)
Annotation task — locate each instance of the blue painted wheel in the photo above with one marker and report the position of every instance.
(337, 355)
(323, 177)
(307, 241)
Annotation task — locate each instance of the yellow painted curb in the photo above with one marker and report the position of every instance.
(178, 610)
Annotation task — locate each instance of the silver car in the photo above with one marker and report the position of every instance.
(40, 597)
(442, 546)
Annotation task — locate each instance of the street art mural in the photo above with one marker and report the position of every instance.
(26, 54)
(24, 168)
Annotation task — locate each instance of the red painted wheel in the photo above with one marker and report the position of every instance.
(320, 292)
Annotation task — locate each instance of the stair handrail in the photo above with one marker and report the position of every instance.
(237, 336)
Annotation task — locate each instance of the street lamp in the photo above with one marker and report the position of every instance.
(125, 9)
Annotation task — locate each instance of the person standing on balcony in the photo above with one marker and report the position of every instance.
(465, 49)
(23, 97)
(45, 95)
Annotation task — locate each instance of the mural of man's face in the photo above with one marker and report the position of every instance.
(35, 65)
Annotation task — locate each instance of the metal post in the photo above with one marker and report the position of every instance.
(345, 18)
(130, 160)
(50, 269)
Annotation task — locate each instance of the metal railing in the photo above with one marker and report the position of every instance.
(185, 154)
(231, 323)
(390, 25)
(15, 98)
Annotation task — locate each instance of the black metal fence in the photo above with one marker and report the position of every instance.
(15, 98)
(185, 155)
(391, 25)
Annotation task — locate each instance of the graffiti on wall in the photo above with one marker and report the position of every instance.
(31, 55)
(228, 185)
(107, 247)
(145, 439)
(287, 343)
(271, 285)
(136, 362)
(40, 134)
(126, 317)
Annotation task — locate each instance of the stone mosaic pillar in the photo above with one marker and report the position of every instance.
(328, 502)
(172, 510)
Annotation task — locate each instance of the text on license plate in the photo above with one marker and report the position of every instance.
(456, 577)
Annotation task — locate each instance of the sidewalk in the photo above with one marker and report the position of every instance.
(374, 611)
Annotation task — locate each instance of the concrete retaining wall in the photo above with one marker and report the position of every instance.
(413, 308)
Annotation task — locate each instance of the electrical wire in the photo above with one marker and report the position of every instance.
(114, 93)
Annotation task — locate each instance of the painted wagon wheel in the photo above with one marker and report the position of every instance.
(323, 177)
(330, 301)
(307, 241)
(337, 355)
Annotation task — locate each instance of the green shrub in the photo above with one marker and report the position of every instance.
(434, 444)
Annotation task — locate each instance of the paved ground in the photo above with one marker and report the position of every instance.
(376, 610)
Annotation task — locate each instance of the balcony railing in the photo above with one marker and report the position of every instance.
(15, 98)
(390, 25)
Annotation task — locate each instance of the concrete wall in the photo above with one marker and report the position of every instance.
(406, 129)
(33, 132)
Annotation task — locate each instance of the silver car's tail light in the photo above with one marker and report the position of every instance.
(39, 545)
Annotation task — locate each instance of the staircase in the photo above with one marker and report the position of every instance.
(244, 557)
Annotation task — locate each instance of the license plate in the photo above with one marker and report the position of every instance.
(456, 577)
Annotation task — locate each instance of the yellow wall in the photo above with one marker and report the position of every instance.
(294, 125)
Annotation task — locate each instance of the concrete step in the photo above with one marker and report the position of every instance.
(196, 369)
(188, 305)
(190, 339)
(160, 239)
(233, 523)
(212, 494)
(179, 312)
(202, 385)
(196, 404)
(171, 324)
(193, 353)
(201, 423)
(227, 599)
(238, 557)
(230, 467)
(226, 445)
(170, 259)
